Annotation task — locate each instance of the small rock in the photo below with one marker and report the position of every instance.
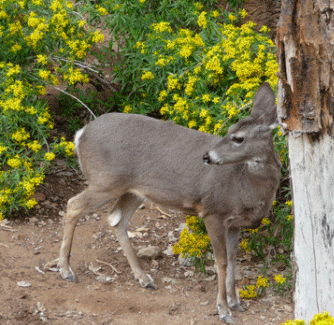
(171, 236)
(149, 252)
(169, 251)
(142, 229)
(204, 303)
(4, 222)
(181, 227)
(288, 308)
(23, 284)
(189, 273)
(168, 280)
(135, 234)
(33, 220)
(210, 278)
(210, 270)
(62, 213)
(186, 261)
(104, 279)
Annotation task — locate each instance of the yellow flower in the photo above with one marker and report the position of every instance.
(215, 13)
(264, 29)
(262, 282)
(164, 109)
(172, 82)
(13, 70)
(15, 48)
(162, 95)
(42, 59)
(14, 162)
(44, 74)
(244, 245)
(192, 124)
(202, 22)
(231, 17)
(249, 293)
(127, 109)
(163, 26)
(206, 98)
(204, 113)
(289, 217)
(98, 37)
(49, 156)
(102, 11)
(31, 203)
(279, 279)
(265, 221)
(35, 146)
(186, 50)
(2, 149)
(288, 203)
(147, 75)
(20, 135)
(243, 13)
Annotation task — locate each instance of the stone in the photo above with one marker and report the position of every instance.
(149, 252)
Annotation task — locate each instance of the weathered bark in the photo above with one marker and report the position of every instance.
(305, 39)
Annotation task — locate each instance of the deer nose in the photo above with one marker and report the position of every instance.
(207, 159)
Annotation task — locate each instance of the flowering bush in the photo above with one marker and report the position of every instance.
(318, 319)
(194, 242)
(202, 77)
(41, 42)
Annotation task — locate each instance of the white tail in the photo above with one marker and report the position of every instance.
(129, 157)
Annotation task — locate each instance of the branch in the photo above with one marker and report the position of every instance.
(76, 98)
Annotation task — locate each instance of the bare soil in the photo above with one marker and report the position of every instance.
(102, 296)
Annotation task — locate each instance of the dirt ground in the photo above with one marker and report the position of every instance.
(102, 294)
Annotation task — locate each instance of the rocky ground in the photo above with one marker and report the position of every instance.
(106, 292)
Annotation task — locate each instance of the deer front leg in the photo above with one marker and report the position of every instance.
(217, 234)
(232, 241)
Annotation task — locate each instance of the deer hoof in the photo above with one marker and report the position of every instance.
(152, 286)
(148, 284)
(69, 275)
(238, 307)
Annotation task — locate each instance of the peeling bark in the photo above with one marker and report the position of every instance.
(305, 39)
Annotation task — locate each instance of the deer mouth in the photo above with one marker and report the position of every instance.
(211, 158)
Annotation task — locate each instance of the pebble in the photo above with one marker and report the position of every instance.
(23, 284)
(149, 252)
(169, 251)
(186, 261)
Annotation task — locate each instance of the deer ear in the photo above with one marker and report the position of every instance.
(264, 107)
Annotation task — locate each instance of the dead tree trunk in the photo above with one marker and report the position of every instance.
(305, 39)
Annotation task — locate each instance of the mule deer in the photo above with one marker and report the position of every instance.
(130, 157)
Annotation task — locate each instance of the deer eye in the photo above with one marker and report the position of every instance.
(237, 139)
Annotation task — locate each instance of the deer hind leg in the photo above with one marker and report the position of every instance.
(232, 241)
(216, 230)
(122, 211)
(77, 206)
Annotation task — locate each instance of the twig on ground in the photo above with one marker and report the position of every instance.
(7, 228)
(105, 263)
(4, 245)
(162, 212)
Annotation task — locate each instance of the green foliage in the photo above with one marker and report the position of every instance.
(41, 41)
